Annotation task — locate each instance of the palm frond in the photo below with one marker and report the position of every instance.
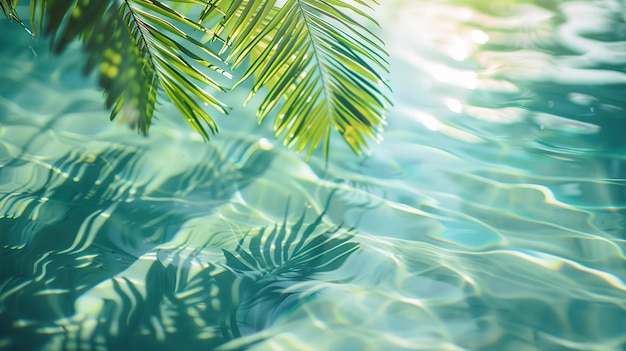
(317, 62)
(139, 46)
(322, 68)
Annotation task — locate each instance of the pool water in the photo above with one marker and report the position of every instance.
(491, 217)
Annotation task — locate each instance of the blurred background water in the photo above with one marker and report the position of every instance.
(491, 217)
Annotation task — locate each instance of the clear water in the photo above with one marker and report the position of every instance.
(492, 216)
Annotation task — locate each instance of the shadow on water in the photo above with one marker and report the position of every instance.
(87, 259)
(85, 223)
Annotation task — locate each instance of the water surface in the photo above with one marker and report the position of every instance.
(491, 217)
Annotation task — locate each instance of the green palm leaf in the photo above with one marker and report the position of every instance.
(317, 62)
(139, 46)
(8, 8)
(319, 67)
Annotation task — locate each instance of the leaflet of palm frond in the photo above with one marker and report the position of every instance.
(321, 69)
(163, 32)
(293, 254)
(129, 83)
(8, 8)
(242, 19)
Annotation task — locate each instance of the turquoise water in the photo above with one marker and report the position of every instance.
(491, 217)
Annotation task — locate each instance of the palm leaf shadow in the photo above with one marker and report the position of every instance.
(80, 224)
(277, 258)
(204, 305)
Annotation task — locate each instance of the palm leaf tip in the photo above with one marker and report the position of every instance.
(8, 9)
(321, 69)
